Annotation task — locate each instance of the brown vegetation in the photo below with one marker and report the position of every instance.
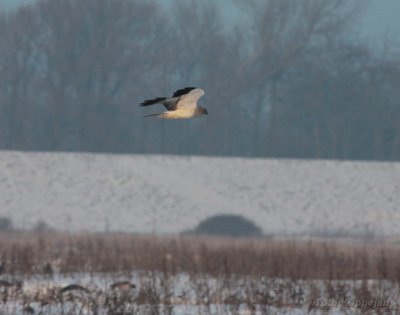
(205, 275)
(29, 253)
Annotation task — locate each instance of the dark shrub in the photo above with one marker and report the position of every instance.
(228, 225)
(5, 224)
(41, 226)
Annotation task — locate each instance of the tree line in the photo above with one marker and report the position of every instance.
(283, 79)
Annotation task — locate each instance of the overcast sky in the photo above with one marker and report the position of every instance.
(383, 16)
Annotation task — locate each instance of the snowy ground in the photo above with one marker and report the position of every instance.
(137, 193)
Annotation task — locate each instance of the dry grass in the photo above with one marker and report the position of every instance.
(27, 254)
(223, 275)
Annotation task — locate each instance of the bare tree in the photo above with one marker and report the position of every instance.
(96, 55)
(17, 55)
(285, 79)
(282, 30)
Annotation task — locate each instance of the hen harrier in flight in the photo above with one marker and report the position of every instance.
(182, 104)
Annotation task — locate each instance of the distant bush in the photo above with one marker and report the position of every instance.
(5, 224)
(41, 226)
(228, 225)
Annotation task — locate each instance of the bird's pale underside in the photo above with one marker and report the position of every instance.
(182, 104)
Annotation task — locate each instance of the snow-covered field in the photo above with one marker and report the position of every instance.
(137, 193)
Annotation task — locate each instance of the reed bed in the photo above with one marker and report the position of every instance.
(204, 274)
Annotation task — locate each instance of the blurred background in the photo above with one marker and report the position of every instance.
(103, 211)
(303, 79)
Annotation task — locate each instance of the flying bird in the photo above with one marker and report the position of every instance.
(182, 104)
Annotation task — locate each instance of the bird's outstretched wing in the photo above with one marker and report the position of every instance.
(170, 103)
(190, 99)
(183, 91)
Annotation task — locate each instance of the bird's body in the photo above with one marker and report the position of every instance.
(182, 104)
(181, 114)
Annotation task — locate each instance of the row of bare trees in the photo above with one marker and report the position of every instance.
(283, 78)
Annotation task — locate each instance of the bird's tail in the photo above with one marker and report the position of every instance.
(153, 101)
(152, 115)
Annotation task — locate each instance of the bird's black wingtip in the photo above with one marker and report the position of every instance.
(184, 91)
(153, 101)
